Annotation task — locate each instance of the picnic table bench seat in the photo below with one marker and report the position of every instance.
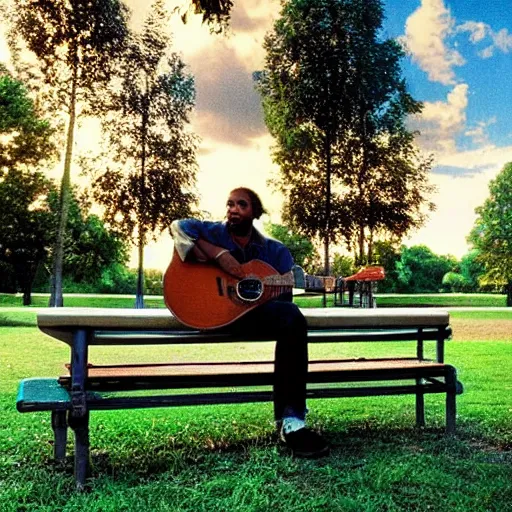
(87, 387)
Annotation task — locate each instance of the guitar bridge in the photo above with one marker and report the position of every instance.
(219, 286)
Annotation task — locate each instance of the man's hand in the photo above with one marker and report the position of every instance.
(205, 251)
(230, 265)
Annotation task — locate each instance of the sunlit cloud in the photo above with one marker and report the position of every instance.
(442, 121)
(479, 133)
(228, 106)
(425, 33)
(480, 32)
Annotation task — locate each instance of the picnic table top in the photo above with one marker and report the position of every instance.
(60, 322)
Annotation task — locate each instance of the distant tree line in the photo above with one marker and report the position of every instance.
(415, 269)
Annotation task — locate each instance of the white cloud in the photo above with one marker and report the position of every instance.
(425, 33)
(442, 121)
(479, 133)
(479, 31)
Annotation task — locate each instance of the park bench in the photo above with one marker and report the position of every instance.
(88, 387)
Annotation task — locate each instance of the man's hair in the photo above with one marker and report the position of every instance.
(257, 206)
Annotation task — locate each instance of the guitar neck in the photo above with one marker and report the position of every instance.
(277, 284)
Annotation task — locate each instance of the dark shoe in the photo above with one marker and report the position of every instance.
(306, 444)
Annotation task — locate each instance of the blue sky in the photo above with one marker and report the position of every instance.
(474, 41)
(459, 64)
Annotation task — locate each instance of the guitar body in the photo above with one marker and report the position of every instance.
(203, 296)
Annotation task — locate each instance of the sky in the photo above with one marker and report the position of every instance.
(459, 64)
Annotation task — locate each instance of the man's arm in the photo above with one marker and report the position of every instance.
(201, 250)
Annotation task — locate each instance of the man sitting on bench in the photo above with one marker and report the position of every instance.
(230, 244)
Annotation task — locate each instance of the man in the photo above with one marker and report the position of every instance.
(230, 244)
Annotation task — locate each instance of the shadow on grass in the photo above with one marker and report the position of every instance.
(351, 448)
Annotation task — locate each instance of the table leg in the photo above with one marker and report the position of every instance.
(60, 434)
(78, 418)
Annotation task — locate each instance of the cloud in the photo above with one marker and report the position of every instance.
(442, 121)
(228, 107)
(425, 33)
(252, 16)
(479, 32)
(460, 172)
(479, 133)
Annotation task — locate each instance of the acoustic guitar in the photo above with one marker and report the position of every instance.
(203, 296)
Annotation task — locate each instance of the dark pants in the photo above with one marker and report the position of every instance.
(284, 322)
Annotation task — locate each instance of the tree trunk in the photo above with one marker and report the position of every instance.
(139, 296)
(56, 299)
(369, 260)
(24, 274)
(360, 244)
(328, 163)
(509, 294)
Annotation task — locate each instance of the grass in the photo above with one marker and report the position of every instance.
(227, 458)
(390, 300)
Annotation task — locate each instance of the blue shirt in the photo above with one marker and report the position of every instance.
(185, 232)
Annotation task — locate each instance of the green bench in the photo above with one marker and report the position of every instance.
(86, 387)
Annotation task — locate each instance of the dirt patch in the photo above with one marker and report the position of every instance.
(481, 330)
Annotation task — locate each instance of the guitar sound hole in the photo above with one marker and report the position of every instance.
(249, 289)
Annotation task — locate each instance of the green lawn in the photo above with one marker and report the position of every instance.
(226, 458)
(436, 299)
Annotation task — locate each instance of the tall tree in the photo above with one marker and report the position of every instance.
(492, 233)
(27, 224)
(25, 145)
(147, 127)
(76, 44)
(336, 103)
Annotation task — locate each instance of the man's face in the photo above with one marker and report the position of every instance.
(239, 211)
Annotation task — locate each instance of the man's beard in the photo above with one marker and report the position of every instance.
(242, 228)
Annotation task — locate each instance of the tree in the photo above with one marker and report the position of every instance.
(422, 271)
(26, 222)
(27, 225)
(149, 107)
(90, 247)
(336, 103)
(76, 44)
(472, 269)
(342, 265)
(26, 137)
(455, 282)
(387, 254)
(492, 233)
(301, 248)
(216, 13)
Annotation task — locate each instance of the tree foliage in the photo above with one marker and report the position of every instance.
(216, 13)
(301, 248)
(76, 44)
(336, 104)
(421, 271)
(26, 225)
(90, 247)
(472, 269)
(25, 220)
(26, 137)
(149, 105)
(492, 233)
(342, 265)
